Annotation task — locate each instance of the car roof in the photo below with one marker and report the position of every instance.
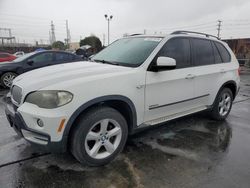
(53, 51)
(5, 53)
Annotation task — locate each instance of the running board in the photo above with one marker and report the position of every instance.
(174, 116)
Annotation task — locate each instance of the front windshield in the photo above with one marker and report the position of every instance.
(128, 51)
(19, 59)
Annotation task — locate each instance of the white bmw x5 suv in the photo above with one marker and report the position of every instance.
(136, 82)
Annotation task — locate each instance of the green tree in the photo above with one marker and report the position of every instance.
(58, 45)
(93, 41)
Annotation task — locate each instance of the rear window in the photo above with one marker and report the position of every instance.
(203, 52)
(225, 56)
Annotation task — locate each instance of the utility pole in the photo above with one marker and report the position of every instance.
(108, 18)
(219, 28)
(10, 35)
(53, 36)
(68, 33)
(103, 39)
(50, 40)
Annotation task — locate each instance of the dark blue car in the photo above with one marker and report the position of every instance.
(31, 61)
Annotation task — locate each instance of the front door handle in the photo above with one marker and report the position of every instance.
(190, 76)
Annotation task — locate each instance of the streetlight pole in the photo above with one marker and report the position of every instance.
(108, 18)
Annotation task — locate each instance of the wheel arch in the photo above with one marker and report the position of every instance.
(229, 84)
(9, 71)
(121, 103)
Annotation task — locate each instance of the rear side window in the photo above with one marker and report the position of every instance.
(223, 52)
(203, 52)
(63, 57)
(178, 49)
(217, 56)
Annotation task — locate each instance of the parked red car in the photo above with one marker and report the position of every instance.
(6, 57)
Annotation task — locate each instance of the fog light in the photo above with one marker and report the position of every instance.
(40, 123)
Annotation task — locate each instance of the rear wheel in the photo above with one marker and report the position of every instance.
(99, 136)
(7, 79)
(223, 104)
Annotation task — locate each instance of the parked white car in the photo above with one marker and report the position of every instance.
(19, 54)
(136, 82)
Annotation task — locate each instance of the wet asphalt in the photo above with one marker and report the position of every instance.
(193, 151)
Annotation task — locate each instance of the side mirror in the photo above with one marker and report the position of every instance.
(30, 62)
(165, 63)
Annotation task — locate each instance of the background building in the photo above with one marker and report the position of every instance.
(241, 48)
(74, 45)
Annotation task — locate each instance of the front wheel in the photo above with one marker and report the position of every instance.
(7, 79)
(99, 136)
(223, 104)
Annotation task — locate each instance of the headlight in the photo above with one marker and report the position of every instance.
(49, 99)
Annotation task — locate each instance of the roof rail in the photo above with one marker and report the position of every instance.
(193, 32)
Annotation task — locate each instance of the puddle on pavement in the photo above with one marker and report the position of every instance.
(191, 139)
(117, 174)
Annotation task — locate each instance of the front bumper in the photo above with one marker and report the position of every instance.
(33, 136)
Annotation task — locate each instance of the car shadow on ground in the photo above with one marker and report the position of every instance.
(3, 91)
(190, 140)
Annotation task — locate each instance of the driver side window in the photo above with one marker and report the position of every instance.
(178, 49)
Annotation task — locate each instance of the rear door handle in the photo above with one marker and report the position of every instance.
(190, 76)
(222, 71)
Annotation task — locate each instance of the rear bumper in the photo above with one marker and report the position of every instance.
(33, 136)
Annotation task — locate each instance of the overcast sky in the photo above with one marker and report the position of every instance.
(30, 19)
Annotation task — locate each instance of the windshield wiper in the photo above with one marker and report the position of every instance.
(106, 62)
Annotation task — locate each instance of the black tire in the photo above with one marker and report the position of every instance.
(5, 76)
(85, 124)
(215, 113)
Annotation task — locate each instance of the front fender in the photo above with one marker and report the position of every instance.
(96, 101)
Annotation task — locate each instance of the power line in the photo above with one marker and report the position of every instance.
(29, 17)
(187, 26)
(25, 23)
(237, 20)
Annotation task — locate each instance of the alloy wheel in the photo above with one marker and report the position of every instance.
(103, 139)
(225, 104)
(8, 79)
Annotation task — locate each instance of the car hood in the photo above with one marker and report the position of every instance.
(69, 72)
(4, 62)
(8, 63)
